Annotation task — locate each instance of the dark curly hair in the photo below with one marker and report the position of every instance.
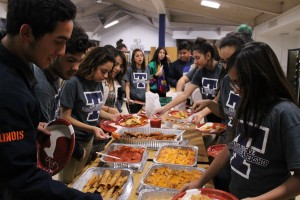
(41, 15)
(79, 41)
(97, 56)
(120, 45)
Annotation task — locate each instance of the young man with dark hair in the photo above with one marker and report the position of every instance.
(37, 32)
(47, 91)
(181, 65)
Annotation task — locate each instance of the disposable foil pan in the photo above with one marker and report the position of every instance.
(138, 167)
(87, 175)
(148, 194)
(151, 144)
(152, 168)
(183, 147)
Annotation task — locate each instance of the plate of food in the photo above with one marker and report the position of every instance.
(214, 150)
(106, 125)
(135, 120)
(211, 128)
(179, 114)
(204, 194)
(55, 151)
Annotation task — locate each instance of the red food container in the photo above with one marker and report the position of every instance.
(155, 123)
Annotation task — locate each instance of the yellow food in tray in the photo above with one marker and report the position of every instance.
(108, 184)
(176, 156)
(171, 178)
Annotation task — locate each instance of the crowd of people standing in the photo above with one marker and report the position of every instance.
(49, 69)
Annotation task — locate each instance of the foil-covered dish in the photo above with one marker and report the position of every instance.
(131, 156)
(170, 177)
(111, 183)
(152, 138)
(177, 155)
(153, 194)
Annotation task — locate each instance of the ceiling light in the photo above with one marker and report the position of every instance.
(111, 24)
(210, 4)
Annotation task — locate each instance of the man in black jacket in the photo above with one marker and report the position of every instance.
(180, 66)
(37, 32)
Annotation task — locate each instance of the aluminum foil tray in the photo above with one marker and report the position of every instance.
(173, 146)
(138, 167)
(152, 168)
(156, 194)
(85, 177)
(151, 144)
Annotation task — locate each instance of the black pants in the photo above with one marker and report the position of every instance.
(133, 108)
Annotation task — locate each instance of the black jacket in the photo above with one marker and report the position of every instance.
(176, 70)
(19, 117)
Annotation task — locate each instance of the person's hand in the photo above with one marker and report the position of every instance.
(159, 73)
(189, 186)
(159, 111)
(115, 117)
(41, 128)
(200, 105)
(113, 110)
(248, 198)
(128, 100)
(197, 118)
(99, 134)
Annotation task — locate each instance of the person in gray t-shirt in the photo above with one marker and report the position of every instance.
(81, 102)
(205, 78)
(266, 129)
(137, 81)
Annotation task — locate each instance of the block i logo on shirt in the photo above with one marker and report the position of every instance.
(140, 79)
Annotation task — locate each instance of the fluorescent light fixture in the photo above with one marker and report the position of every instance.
(210, 4)
(111, 24)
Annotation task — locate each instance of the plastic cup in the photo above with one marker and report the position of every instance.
(155, 123)
(169, 123)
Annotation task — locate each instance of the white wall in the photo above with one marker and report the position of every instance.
(134, 29)
(281, 45)
(3, 10)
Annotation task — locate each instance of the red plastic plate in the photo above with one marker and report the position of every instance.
(214, 150)
(211, 193)
(55, 151)
(104, 124)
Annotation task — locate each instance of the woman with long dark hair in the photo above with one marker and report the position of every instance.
(159, 68)
(266, 131)
(137, 81)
